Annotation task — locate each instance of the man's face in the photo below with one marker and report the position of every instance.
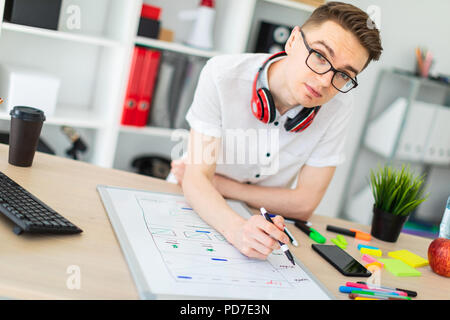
(338, 45)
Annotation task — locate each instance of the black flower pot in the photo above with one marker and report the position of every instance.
(386, 226)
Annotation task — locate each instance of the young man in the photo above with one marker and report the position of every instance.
(304, 98)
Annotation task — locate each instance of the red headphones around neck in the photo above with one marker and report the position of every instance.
(263, 106)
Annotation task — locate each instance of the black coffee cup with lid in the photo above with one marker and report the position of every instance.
(26, 125)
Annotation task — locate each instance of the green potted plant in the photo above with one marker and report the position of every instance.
(397, 193)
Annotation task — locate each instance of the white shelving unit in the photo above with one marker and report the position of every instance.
(405, 126)
(93, 64)
(175, 47)
(292, 4)
(151, 131)
(70, 117)
(60, 35)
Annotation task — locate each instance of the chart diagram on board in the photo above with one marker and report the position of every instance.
(171, 251)
(195, 252)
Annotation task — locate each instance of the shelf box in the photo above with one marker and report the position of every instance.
(20, 86)
(40, 14)
(438, 148)
(422, 138)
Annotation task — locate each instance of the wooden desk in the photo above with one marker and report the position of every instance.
(36, 266)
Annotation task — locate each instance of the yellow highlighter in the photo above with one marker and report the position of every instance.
(372, 252)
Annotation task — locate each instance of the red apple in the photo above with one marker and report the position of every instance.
(439, 256)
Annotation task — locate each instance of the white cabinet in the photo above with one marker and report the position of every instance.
(407, 122)
(92, 60)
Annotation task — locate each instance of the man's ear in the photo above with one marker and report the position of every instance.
(290, 43)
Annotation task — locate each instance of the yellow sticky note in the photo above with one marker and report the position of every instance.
(409, 258)
(372, 252)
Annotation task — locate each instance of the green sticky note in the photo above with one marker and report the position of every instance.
(399, 268)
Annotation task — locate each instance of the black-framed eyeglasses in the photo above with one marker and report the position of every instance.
(320, 65)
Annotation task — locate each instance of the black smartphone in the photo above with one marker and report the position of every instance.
(341, 260)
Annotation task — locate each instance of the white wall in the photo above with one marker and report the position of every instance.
(405, 24)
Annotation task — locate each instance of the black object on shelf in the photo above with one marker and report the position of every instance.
(78, 144)
(272, 37)
(42, 146)
(151, 165)
(149, 28)
(34, 13)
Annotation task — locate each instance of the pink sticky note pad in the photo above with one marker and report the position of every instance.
(370, 259)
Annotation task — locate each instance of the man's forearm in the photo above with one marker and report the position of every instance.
(209, 203)
(287, 202)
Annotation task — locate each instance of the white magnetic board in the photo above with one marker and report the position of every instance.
(173, 253)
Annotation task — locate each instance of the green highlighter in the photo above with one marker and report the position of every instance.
(312, 233)
(339, 244)
(382, 294)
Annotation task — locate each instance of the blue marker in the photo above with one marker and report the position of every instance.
(366, 246)
(347, 289)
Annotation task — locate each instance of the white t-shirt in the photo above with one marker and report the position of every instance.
(222, 105)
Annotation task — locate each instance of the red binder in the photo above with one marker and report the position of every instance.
(150, 12)
(132, 95)
(150, 67)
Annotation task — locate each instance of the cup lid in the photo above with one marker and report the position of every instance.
(27, 113)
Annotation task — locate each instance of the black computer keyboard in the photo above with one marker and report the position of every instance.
(28, 212)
